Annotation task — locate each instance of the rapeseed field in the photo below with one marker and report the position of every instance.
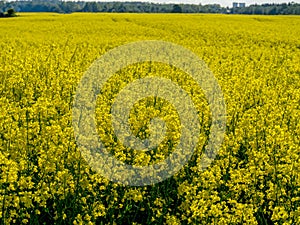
(254, 178)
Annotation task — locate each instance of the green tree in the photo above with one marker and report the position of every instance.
(177, 9)
(11, 12)
(90, 7)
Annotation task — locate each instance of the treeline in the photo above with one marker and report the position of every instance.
(270, 9)
(131, 7)
(144, 7)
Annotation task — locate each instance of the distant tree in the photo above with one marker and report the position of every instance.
(2, 5)
(177, 9)
(90, 7)
(69, 7)
(11, 13)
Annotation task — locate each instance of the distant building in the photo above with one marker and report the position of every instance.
(242, 5)
(238, 5)
(235, 5)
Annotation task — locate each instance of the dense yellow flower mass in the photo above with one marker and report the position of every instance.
(255, 178)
